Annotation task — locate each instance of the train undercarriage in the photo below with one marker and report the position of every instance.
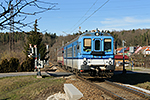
(93, 71)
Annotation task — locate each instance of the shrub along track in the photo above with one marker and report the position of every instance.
(113, 90)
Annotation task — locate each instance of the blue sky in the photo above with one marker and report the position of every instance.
(115, 15)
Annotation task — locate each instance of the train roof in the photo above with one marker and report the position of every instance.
(89, 34)
(93, 34)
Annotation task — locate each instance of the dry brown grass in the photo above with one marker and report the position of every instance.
(8, 55)
(29, 87)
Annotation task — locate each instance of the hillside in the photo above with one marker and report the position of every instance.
(132, 37)
(15, 48)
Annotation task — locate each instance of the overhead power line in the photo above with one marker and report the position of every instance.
(90, 15)
(84, 14)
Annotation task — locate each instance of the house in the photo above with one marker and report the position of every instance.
(143, 50)
(119, 49)
(126, 51)
(147, 51)
(119, 60)
(137, 50)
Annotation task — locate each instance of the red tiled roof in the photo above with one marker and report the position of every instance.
(144, 47)
(127, 49)
(148, 49)
(121, 57)
(118, 49)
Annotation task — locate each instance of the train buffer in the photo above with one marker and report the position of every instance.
(72, 92)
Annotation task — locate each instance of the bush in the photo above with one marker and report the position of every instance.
(20, 69)
(28, 65)
(1, 69)
(13, 64)
(5, 66)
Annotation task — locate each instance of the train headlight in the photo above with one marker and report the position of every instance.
(109, 59)
(84, 59)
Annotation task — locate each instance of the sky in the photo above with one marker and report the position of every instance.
(91, 14)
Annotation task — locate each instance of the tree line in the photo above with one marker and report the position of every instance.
(34, 38)
(138, 37)
(132, 37)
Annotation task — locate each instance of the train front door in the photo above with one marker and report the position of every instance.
(97, 44)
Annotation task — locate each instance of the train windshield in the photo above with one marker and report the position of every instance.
(107, 45)
(87, 45)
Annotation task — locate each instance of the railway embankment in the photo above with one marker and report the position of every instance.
(138, 78)
(131, 77)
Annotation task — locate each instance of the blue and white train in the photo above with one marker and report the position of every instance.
(91, 52)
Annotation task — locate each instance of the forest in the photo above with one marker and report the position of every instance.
(15, 45)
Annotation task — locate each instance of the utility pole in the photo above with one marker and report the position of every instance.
(35, 56)
(11, 40)
(124, 70)
(47, 62)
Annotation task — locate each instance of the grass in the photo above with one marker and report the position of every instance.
(25, 87)
(134, 69)
(145, 85)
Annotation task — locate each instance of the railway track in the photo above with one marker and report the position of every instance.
(124, 93)
(113, 90)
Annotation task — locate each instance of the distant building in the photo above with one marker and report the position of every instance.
(137, 50)
(119, 59)
(145, 50)
(126, 51)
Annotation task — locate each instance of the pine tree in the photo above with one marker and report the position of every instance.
(36, 39)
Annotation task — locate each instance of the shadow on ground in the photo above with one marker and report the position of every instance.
(59, 74)
(131, 78)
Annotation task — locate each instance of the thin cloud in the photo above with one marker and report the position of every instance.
(124, 23)
(127, 20)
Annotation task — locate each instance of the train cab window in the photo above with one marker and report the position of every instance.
(87, 45)
(107, 45)
(97, 45)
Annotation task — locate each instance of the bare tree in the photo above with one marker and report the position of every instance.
(19, 12)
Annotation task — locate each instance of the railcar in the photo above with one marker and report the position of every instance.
(91, 52)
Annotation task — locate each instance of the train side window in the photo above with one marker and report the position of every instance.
(69, 52)
(75, 52)
(79, 47)
(107, 45)
(87, 45)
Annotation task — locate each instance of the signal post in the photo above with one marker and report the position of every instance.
(37, 64)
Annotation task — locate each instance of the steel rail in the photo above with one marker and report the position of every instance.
(136, 92)
(107, 92)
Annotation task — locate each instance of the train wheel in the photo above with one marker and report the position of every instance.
(111, 74)
(77, 72)
(66, 67)
(61, 65)
(93, 73)
(74, 71)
